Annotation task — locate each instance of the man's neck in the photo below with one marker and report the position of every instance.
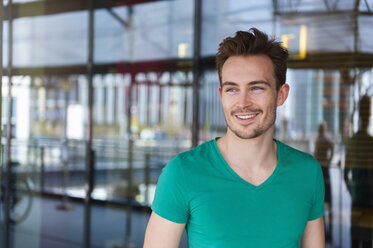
(249, 154)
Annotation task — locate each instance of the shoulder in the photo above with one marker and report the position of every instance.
(187, 160)
(303, 168)
(360, 140)
(299, 160)
(291, 153)
(198, 151)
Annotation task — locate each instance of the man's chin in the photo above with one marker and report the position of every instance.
(246, 135)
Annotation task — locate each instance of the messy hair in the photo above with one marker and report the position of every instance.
(254, 42)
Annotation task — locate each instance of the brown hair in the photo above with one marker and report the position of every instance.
(254, 42)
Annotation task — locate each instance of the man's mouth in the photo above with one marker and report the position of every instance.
(246, 116)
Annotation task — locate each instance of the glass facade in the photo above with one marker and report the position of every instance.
(102, 97)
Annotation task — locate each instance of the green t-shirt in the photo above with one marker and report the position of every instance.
(221, 209)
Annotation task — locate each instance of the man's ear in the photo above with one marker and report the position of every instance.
(282, 94)
(220, 91)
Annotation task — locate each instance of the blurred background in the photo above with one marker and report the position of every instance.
(98, 95)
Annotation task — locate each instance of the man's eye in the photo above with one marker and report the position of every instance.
(230, 90)
(257, 88)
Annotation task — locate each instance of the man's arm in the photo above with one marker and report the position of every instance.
(331, 148)
(162, 233)
(346, 170)
(313, 235)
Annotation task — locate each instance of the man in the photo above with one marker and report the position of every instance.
(359, 163)
(324, 150)
(244, 189)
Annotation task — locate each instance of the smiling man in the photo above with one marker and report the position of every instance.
(245, 189)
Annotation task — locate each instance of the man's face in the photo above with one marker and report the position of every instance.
(249, 95)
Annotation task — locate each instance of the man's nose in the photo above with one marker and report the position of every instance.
(244, 100)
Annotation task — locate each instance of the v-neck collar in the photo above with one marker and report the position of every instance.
(240, 179)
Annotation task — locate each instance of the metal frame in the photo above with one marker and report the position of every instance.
(1, 101)
(128, 232)
(167, 65)
(50, 7)
(333, 60)
(196, 69)
(1, 68)
(321, 13)
(331, 9)
(89, 151)
(8, 161)
(356, 25)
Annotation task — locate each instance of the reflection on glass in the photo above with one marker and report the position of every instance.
(143, 106)
(159, 110)
(358, 175)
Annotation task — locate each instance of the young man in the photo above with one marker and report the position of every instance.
(359, 163)
(244, 189)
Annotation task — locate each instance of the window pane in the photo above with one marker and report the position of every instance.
(51, 40)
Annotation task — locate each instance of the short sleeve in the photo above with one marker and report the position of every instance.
(170, 200)
(317, 209)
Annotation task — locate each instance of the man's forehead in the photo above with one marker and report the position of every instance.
(249, 57)
(248, 69)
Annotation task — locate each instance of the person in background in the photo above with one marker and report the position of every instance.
(324, 150)
(358, 175)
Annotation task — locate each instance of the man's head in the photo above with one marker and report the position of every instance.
(322, 129)
(250, 89)
(364, 111)
(254, 42)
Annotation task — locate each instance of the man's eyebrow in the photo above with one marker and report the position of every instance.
(227, 83)
(259, 82)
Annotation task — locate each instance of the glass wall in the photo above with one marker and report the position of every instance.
(122, 116)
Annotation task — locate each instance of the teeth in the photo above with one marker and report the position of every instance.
(246, 116)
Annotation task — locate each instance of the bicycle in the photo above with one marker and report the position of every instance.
(20, 195)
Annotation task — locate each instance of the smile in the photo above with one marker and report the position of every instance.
(246, 116)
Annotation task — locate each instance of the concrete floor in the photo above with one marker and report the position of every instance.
(48, 227)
